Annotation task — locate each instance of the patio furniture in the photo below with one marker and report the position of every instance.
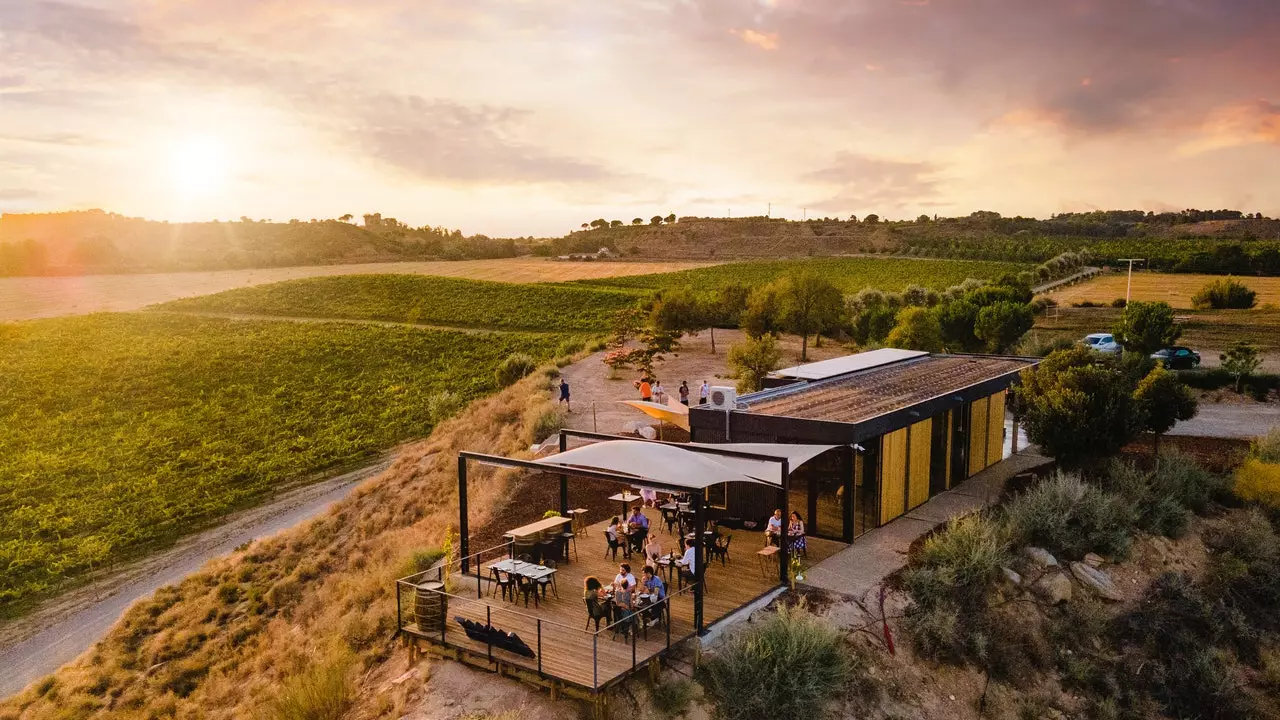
(566, 538)
(526, 587)
(670, 517)
(548, 580)
(502, 580)
(626, 498)
(614, 544)
(768, 557)
(526, 574)
(579, 519)
(597, 610)
(720, 550)
(500, 639)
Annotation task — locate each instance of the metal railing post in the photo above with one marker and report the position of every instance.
(667, 622)
(444, 620)
(399, 618)
(479, 589)
(595, 661)
(635, 634)
(488, 636)
(539, 646)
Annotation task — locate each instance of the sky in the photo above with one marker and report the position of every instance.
(530, 117)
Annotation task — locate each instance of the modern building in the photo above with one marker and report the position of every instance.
(908, 424)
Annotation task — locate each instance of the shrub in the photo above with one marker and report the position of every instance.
(514, 367)
(570, 347)
(1119, 303)
(1224, 294)
(1163, 499)
(1259, 482)
(1070, 518)
(542, 421)
(672, 698)
(443, 405)
(324, 691)
(424, 559)
(1267, 447)
(790, 665)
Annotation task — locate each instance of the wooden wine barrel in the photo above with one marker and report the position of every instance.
(429, 606)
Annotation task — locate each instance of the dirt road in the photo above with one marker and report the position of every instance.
(66, 626)
(1230, 420)
(26, 298)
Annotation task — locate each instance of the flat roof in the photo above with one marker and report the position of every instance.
(847, 364)
(865, 394)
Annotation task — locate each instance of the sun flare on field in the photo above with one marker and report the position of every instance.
(200, 164)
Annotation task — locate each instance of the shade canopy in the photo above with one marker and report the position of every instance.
(693, 467)
(673, 412)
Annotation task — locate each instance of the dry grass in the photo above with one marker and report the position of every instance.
(224, 641)
(1175, 289)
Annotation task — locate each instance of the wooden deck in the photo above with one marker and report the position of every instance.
(584, 658)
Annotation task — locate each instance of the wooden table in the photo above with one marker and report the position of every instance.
(626, 498)
(770, 553)
(577, 514)
(530, 571)
(536, 529)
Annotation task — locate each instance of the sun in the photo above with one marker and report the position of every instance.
(200, 164)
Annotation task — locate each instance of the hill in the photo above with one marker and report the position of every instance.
(94, 241)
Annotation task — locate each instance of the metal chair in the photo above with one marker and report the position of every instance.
(597, 610)
(527, 587)
(719, 550)
(566, 538)
(503, 580)
(614, 544)
(550, 579)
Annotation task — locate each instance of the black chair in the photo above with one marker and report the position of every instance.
(527, 587)
(613, 546)
(720, 550)
(549, 579)
(637, 538)
(503, 580)
(597, 610)
(626, 622)
(670, 519)
(566, 538)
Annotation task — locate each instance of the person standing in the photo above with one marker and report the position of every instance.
(704, 392)
(684, 393)
(564, 394)
(646, 390)
(659, 393)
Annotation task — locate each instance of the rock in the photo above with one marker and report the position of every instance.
(1053, 588)
(1093, 560)
(1097, 581)
(648, 432)
(1040, 557)
(1012, 577)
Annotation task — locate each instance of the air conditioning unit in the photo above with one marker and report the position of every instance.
(724, 398)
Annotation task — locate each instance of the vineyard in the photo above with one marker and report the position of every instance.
(424, 299)
(128, 430)
(848, 274)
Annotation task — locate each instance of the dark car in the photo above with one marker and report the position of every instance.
(1177, 357)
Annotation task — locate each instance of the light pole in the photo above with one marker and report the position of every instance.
(1129, 287)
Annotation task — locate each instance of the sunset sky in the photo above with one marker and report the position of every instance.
(514, 117)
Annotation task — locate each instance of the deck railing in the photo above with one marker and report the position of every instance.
(555, 644)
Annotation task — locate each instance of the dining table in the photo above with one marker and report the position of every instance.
(626, 498)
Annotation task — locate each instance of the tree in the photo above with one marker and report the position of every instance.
(871, 219)
(917, 329)
(586, 226)
(810, 304)
(1077, 409)
(1145, 327)
(637, 221)
(671, 218)
(958, 320)
(1241, 360)
(1164, 400)
(615, 223)
(762, 314)
(752, 360)
(599, 223)
(1000, 326)
(853, 218)
(344, 218)
(655, 220)
(1224, 294)
(679, 311)
(922, 219)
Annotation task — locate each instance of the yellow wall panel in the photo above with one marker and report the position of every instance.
(995, 430)
(977, 436)
(893, 475)
(918, 481)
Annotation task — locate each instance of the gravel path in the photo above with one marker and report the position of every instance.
(1230, 420)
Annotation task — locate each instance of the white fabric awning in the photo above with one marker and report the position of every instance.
(677, 466)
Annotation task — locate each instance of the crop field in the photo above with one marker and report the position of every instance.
(427, 300)
(1175, 289)
(130, 429)
(849, 274)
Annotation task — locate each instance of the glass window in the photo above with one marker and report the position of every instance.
(718, 496)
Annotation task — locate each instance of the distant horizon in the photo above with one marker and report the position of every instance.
(530, 118)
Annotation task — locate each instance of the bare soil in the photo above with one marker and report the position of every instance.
(1173, 288)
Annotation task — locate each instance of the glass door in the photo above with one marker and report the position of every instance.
(866, 483)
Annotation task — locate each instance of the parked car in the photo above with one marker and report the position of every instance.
(1103, 343)
(1177, 357)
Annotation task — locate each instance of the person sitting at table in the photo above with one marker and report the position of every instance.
(614, 529)
(638, 524)
(651, 584)
(598, 607)
(795, 532)
(592, 588)
(652, 548)
(624, 576)
(773, 529)
(688, 568)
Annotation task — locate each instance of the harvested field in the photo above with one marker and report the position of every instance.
(1175, 289)
(25, 298)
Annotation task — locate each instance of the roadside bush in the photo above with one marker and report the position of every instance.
(791, 665)
(1070, 518)
(1224, 294)
(1258, 482)
(570, 347)
(323, 691)
(443, 405)
(1033, 345)
(1267, 447)
(1119, 303)
(1162, 500)
(514, 367)
(1259, 386)
(541, 421)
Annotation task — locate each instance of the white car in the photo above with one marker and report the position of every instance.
(1103, 343)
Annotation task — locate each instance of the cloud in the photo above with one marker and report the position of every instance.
(61, 139)
(1250, 123)
(864, 182)
(8, 194)
(762, 40)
